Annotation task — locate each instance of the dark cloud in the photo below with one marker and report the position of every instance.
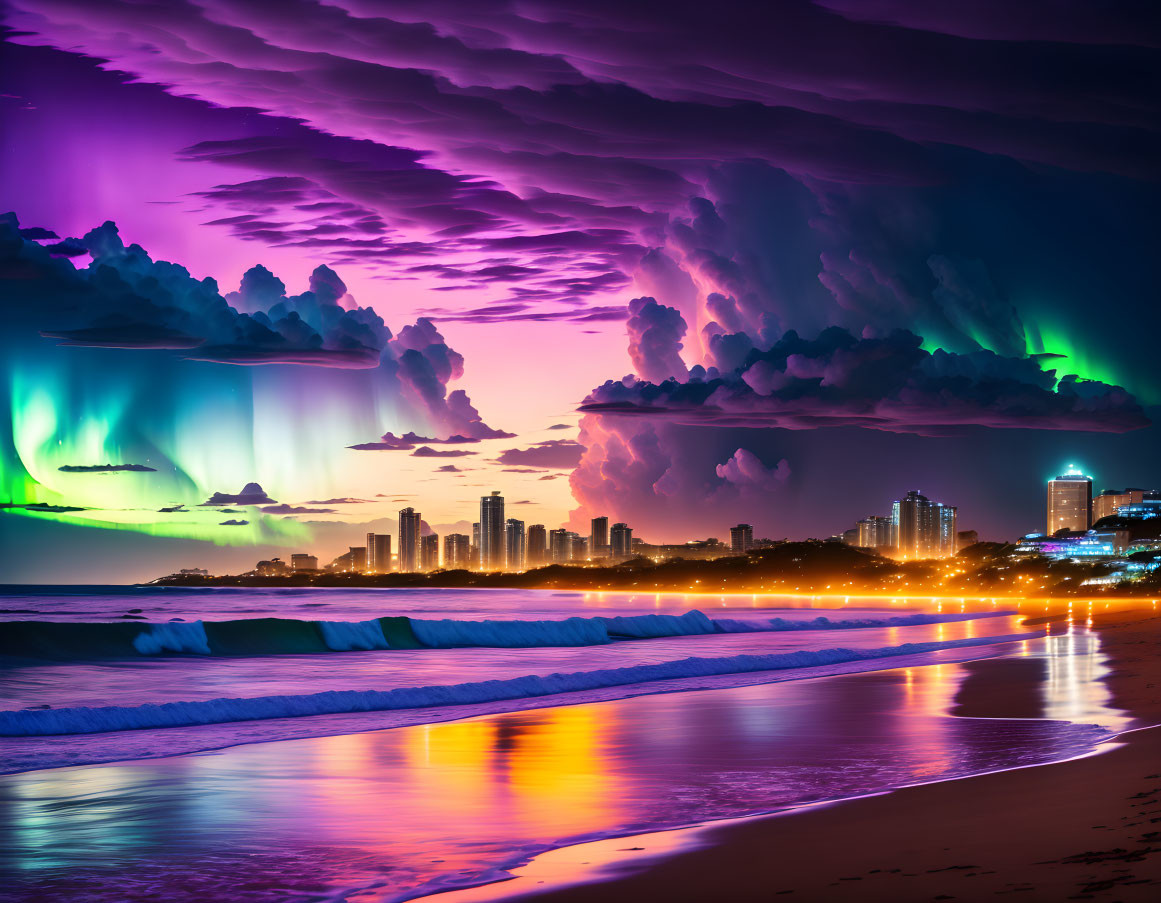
(560, 426)
(125, 299)
(251, 494)
(885, 383)
(292, 509)
(426, 451)
(550, 454)
(448, 468)
(106, 468)
(340, 501)
(233, 523)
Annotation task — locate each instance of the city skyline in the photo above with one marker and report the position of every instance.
(355, 311)
(918, 528)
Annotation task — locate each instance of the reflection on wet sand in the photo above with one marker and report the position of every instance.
(441, 804)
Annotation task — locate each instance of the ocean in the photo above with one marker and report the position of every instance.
(384, 744)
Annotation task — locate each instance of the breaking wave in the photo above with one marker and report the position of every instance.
(90, 720)
(284, 636)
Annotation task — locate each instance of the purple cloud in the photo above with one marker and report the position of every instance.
(553, 453)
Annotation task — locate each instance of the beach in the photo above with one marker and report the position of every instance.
(1085, 829)
(812, 746)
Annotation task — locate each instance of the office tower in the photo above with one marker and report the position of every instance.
(919, 523)
(475, 546)
(559, 546)
(1107, 503)
(579, 547)
(599, 538)
(514, 543)
(536, 551)
(429, 552)
(1069, 502)
(300, 561)
(947, 532)
(621, 540)
(457, 551)
(741, 538)
(378, 553)
(492, 532)
(876, 532)
(409, 526)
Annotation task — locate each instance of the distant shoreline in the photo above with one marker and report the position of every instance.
(801, 568)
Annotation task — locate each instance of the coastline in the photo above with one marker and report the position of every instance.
(1084, 828)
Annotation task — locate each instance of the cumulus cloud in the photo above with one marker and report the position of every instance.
(746, 471)
(251, 494)
(125, 299)
(106, 468)
(550, 454)
(884, 383)
(655, 333)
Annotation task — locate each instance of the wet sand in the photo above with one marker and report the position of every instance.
(1087, 829)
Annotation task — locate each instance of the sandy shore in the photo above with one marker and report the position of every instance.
(1087, 829)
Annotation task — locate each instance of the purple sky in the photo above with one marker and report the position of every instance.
(973, 177)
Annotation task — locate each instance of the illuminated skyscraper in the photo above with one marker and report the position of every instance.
(429, 552)
(876, 532)
(409, 526)
(559, 546)
(923, 528)
(492, 532)
(457, 551)
(741, 538)
(599, 538)
(621, 540)
(475, 554)
(378, 553)
(947, 532)
(514, 543)
(536, 554)
(1069, 502)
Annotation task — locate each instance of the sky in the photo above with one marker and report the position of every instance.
(679, 265)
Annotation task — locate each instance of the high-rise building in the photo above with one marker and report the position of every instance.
(621, 540)
(876, 532)
(429, 552)
(536, 551)
(1069, 502)
(559, 546)
(410, 522)
(378, 553)
(580, 547)
(923, 528)
(741, 539)
(599, 538)
(353, 561)
(457, 549)
(514, 543)
(492, 532)
(475, 546)
(948, 544)
(1107, 503)
(300, 561)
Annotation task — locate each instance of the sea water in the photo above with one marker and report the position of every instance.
(523, 720)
